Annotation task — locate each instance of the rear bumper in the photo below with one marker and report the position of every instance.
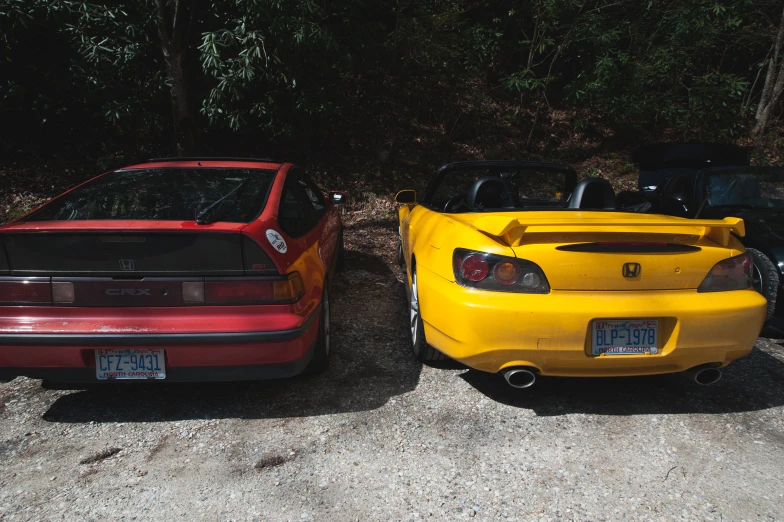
(491, 331)
(177, 374)
(224, 356)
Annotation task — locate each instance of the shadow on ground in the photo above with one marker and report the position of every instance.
(774, 328)
(755, 382)
(371, 363)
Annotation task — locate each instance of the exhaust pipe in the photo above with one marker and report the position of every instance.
(705, 375)
(519, 377)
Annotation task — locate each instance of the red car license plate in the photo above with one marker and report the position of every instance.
(130, 363)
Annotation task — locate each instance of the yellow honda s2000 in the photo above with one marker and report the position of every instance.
(515, 267)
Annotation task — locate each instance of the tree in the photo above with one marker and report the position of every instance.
(174, 19)
(116, 57)
(279, 64)
(77, 72)
(774, 84)
(292, 72)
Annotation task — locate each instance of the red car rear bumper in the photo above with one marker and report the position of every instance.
(252, 345)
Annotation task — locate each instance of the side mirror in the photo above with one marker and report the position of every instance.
(337, 197)
(406, 197)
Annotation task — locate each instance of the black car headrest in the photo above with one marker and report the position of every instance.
(678, 188)
(677, 198)
(490, 192)
(593, 194)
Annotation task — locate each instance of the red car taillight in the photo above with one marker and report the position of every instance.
(238, 292)
(730, 274)
(245, 291)
(498, 273)
(26, 291)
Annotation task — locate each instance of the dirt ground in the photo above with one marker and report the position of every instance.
(381, 437)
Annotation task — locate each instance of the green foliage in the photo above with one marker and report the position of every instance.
(525, 81)
(715, 101)
(273, 62)
(483, 45)
(686, 65)
(288, 69)
(115, 57)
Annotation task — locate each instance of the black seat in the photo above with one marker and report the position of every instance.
(490, 192)
(593, 194)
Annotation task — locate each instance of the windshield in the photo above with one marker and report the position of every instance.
(481, 188)
(758, 188)
(167, 194)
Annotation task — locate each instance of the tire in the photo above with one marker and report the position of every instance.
(765, 279)
(323, 348)
(340, 260)
(422, 351)
(401, 261)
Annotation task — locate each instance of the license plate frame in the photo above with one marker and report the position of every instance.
(641, 336)
(123, 364)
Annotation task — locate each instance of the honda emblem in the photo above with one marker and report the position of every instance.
(126, 264)
(631, 270)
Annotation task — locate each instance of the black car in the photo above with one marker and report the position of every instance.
(755, 194)
(659, 162)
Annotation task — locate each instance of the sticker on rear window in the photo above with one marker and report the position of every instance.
(277, 241)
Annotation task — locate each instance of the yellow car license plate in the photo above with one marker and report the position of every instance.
(625, 337)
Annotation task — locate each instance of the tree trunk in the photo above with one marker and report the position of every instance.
(774, 85)
(185, 136)
(173, 36)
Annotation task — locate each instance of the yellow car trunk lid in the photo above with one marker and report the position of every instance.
(613, 250)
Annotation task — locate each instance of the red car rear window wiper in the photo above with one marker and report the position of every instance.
(201, 215)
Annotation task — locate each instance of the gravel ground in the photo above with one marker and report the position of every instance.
(380, 437)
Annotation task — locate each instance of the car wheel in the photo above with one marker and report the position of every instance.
(422, 351)
(340, 261)
(765, 278)
(401, 261)
(323, 348)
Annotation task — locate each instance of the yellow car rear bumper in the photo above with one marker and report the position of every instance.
(491, 331)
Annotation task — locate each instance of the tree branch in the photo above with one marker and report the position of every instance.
(770, 77)
(181, 22)
(163, 25)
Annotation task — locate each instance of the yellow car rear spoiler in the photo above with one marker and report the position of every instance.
(512, 230)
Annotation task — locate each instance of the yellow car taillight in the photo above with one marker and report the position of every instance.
(730, 274)
(498, 273)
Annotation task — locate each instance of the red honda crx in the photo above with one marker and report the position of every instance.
(185, 269)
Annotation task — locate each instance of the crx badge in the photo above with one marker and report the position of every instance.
(631, 270)
(126, 264)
